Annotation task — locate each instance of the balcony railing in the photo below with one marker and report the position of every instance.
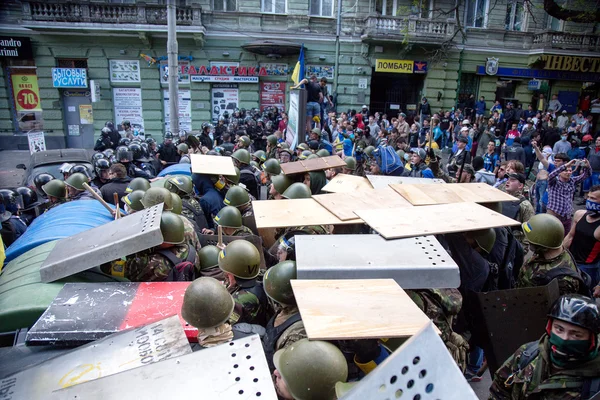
(567, 40)
(382, 27)
(62, 11)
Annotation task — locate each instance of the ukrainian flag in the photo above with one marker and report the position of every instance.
(298, 73)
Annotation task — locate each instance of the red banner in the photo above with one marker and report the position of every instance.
(272, 94)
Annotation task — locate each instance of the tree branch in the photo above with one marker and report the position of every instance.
(590, 15)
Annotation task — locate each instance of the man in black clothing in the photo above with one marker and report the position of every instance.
(445, 126)
(424, 110)
(114, 135)
(167, 154)
(313, 101)
(509, 115)
(220, 129)
(117, 184)
(204, 138)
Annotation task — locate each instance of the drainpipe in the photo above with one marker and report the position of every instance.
(338, 30)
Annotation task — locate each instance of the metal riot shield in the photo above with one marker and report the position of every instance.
(116, 353)
(255, 240)
(503, 320)
(234, 370)
(414, 263)
(421, 368)
(105, 243)
(84, 312)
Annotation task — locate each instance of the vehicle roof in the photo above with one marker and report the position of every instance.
(58, 156)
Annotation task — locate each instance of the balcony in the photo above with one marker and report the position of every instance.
(421, 30)
(567, 40)
(81, 13)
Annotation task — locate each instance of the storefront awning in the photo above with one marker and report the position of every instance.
(273, 48)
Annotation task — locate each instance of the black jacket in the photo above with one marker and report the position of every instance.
(117, 185)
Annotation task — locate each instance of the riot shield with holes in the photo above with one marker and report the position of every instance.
(504, 320)
(206, 240)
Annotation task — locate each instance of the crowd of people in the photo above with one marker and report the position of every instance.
(544, 159)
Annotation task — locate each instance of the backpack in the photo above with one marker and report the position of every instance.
(585, 281)
(183, 270)
(388, 160)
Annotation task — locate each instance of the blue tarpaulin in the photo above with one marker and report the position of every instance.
(60, 222)
(176, 169)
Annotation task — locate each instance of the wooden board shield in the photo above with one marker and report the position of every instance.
(295, 212)
(212, 165)
(342, 183)
(343, 204)
(356, 309)
(381, 181)
(315, 164)
(421, 195)
(393, 223)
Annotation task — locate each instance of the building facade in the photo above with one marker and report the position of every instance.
(70, 66)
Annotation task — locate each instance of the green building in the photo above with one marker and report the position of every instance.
(70, 66)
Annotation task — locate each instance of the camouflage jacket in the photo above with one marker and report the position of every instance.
(439, 173)
(190, 235)
(538, 380)
(243, 231)
(309, 229)
(534, 270)
(293, 333)
(248, 307)
(526, 211)
(151, 266)
(189, 204)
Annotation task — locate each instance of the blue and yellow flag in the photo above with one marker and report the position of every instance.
(298, 73)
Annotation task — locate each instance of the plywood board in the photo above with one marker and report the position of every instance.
(315, 164)
(343, 205)
(343, 183)
(212, 165)
(356, 309)
(393, 223)
(420, 195)
(381, 181)
(295, 212)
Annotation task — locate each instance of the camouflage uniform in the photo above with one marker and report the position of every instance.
(190, 235)
(526, 211)
(52, 205)
(192, 210)
(272, 153)
(243, 231)
(439, 174)
(248, 307)
(441, 306)
(151, 266)
(538, 379)
(309, 229)
(293, 333)
(534, 270)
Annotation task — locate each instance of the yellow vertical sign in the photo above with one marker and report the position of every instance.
(395, 66)
(26, 92)
(86, 115)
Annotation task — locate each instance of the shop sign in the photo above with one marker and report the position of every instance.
(542, 74)
(401, 66)
(183, 66)
(26, 92)
(128, 106)
(534, 84)
(36, 142)
(15, 47)
(225, 97)
(124, 71)
(272, 94)
(320, 71)
(69, 78)
(225, 72)
(234, 79)
(571, 63)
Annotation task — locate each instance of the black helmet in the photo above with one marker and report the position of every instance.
(11, 200)
(577, 310)
(108, 153)
(105, 131)
(29, 196)
(110, 125)
(101, 164)
(41, 179)
(81, 169)
(124, 142)
(150, 140)
(97, 156)
(123, 154)
(137, 152)
(168, 135)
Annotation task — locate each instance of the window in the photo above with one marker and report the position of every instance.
(386, 7)
(476, 13)
(122, 1)
(321, 8)
(514, 16)
(71, 63)
(422, 8)
(469, 83)
(555, 24)
(224, 5)
(273, 6)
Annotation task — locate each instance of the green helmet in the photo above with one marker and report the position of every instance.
(303, 147)
(350, 163)
(241, 259)
(297, 190)
(177, 203)
(77, 180)
(138, 184)
(401, 154)
(261, 155)
(272, 139)
(208, 257)
(272, 166)
(255, 164)
(311, 368)
(229, 217)
(242, 155)
(157, 195)
(485, 238)
(182, 147)
(544, 230)
(281, 183)
(312, 156)
(369, 151)
(172, 228)
(323, 153)
(206, 303)
(277, 285)
(304, 155)
(180, 183)
(236, 196)
(233, 179)
(134, 200)
(245, 141)
(55, 188)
